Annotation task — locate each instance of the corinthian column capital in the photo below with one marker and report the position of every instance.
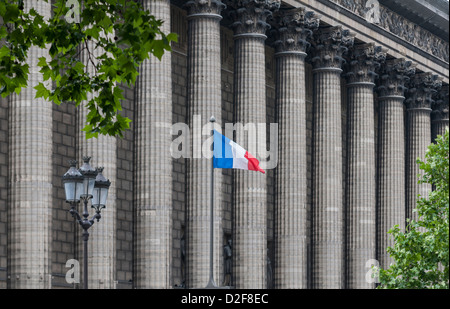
(393, 77)
(330, 45)
(204, 7)
(422, 87)
(364, 60)
(440, 105)
(250, 16)
(294, 29)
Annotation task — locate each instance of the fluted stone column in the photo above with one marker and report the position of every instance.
(291, 210)
(30, 178)
(153, 165)
(102, 239)
(250, 194)
(361, 164)
(204, 100)
(439, 115)
(391, 153)
(327, 198)
(418, 104)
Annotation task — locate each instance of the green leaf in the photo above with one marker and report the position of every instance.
(3, 31)
(41, 91)
(4, 51)
(11, 14)
(172, 37)
(42, 62)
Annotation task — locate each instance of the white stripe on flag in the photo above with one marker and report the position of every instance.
(239, 159)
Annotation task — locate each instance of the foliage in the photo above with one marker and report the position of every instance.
(421, 252)
(124, 32)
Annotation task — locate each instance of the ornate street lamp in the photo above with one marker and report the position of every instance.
(85, 184)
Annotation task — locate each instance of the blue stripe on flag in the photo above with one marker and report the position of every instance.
(222, 155)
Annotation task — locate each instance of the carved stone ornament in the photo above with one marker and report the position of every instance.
(422, 89)
(394, 74)
(401, 27)
(330, 45)
(204, 7)
(440, 105)
(294, 29)
(250, 16)
(364, 61)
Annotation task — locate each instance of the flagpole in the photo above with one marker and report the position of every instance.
(211, 283)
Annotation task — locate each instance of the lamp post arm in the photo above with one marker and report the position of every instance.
(84, 223)
(94, 217)
(75, 214)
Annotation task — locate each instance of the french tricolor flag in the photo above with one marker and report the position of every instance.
(228, 154)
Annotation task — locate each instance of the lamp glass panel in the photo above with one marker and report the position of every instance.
(85, 185)
(91, 185)
(96, 196)
(69, 188)
(104, 196)
(80, 190)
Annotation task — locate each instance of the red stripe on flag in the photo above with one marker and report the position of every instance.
(253, 163)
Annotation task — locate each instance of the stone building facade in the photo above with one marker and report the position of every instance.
(358, 89)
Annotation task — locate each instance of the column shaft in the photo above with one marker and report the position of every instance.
(250, 226)
(391, 154)
(327, 181)
(420, 98)
(391, 174)
(204, 100)
(250, 194)
(418, 139)
(360, 184)
(292, 237)
(439, 127)
(327, 195)
(153, 165)
(361, 164)
(30, 174)
(291, 214)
